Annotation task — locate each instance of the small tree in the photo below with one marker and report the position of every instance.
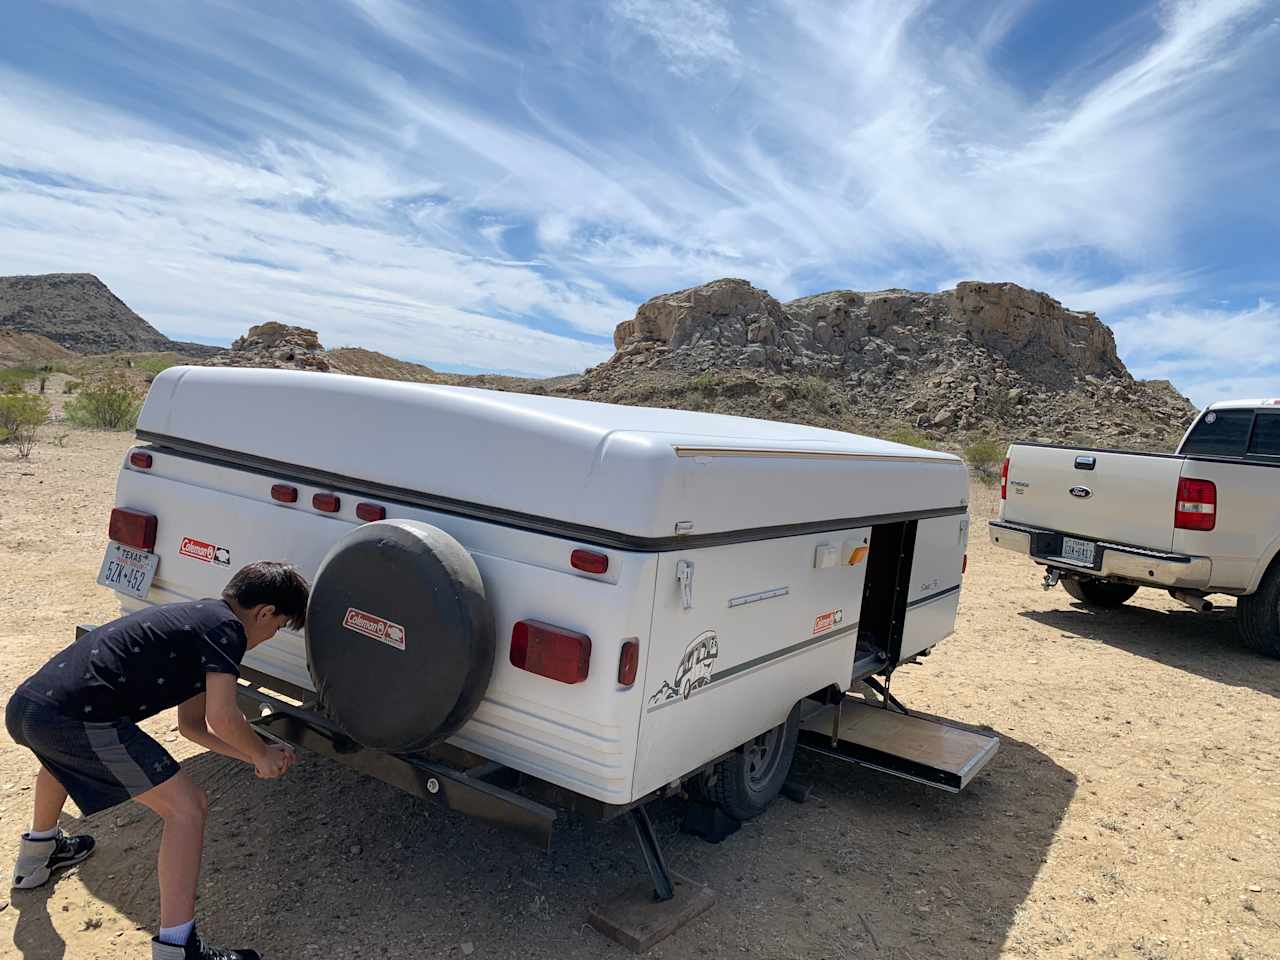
(908, 436)
(21, 416)
(985, 455)
(107, 402)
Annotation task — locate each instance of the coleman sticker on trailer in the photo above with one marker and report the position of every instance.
(825, 621)
(205, 552)
(384, 631)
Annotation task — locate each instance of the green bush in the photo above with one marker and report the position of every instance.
(704, 382)
(71, 386)
(108, 402)
(21, 416)
(907, 436)
(985, 455)
(812, 389)
(155, 365)
(15, 379)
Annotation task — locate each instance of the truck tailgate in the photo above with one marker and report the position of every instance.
(1099, 495)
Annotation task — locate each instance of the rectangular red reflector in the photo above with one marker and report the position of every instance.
(1004, 480)
(283, 493)
(588, 561)
(964, 565)
(369, 512)
(140, 459)
(326, 502)
(133, 528)
(628, 662)
(550, 651)
(1197, 505)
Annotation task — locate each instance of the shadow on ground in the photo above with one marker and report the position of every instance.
(329, 863)
(1206, 644)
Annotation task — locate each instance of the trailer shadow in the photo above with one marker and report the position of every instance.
(1206, 644)
(328, 862)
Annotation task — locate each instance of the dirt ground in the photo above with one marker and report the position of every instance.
(1133, 809)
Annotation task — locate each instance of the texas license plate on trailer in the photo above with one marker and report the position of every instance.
(1078, 551)
(128, 571)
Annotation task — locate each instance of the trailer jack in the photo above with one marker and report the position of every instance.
(1051, 578)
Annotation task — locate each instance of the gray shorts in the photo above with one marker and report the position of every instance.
(101, 765)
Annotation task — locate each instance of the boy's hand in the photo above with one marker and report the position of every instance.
(274, 762)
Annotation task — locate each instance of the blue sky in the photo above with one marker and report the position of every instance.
(493, 186)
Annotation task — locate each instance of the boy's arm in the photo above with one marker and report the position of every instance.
(228, 724)
(192, 725)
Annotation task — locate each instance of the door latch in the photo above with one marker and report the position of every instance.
(684, 574)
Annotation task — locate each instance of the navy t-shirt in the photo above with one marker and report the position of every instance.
(142, 664)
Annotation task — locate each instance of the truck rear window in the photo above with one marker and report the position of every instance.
(1266, 436)
(1219, 433)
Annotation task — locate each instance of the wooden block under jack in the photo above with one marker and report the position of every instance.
(637, 921)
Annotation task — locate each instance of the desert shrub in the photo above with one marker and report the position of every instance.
(704, 382)
(155, 365)
(21, 416)
(985, 456)
(15, 379)
(812, 389)
(71, 386)
(107, 402)
(908, 436)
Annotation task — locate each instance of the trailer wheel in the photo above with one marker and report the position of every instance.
(1098, 593)
(1258, 615)
(745, 783)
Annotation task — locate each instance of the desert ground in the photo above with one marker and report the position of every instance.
(1133, 809)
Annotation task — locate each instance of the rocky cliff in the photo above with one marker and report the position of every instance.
(985, 358)
(78, 312)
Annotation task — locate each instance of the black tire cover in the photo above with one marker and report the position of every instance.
(400, 640)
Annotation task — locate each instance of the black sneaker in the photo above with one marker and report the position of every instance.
(38, 859)
(197, 949)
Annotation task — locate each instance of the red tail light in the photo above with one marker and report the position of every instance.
(369, 512)
(1197, 506)
(132, 528)
(283, 493)
(629, 662)
(588, 561)
(140, 459)
(550, 651)
(1004, 480)
(326, 502)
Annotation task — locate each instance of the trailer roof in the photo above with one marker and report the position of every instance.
(637, 471)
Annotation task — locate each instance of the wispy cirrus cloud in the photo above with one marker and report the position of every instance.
(488, 188)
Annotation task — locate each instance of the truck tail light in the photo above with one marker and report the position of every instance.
(628, 662)
(284, 493)
(140, 459)
(133, 528)
(550, 651)
(588, 561)
(369, 512)
(1004, 480)
(1197, 506)
(326, 502)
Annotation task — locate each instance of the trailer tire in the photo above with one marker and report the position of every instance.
(1098, 593)
(748, 780)
(1258, 615)
(400, 635)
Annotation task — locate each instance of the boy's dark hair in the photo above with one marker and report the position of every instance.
(269, 582)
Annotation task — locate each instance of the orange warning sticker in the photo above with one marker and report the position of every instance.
(826, 621)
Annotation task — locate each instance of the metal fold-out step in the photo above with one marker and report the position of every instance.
(928, 751)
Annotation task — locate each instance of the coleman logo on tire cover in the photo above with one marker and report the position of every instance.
(384, 631)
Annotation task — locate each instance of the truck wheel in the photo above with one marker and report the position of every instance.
(1258, 615)
(745, 783)
(1098, 593)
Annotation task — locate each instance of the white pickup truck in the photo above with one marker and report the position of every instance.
(1204, 520)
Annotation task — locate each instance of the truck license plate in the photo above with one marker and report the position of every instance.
(128, 571)
(1078, 551)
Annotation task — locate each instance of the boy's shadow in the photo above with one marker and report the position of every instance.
(34, 935)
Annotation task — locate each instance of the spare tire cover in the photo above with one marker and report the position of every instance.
(400, 640)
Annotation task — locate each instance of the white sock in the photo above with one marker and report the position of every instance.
(177, 936)
(42, 834)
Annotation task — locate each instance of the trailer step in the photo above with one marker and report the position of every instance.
(927, 751)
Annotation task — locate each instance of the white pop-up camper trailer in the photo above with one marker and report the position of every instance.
(607, 601)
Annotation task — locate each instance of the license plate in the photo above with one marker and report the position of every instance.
(128, 571)
(1079, 551)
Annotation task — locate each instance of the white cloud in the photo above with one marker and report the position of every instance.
(1211, 354)
(690, 34)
